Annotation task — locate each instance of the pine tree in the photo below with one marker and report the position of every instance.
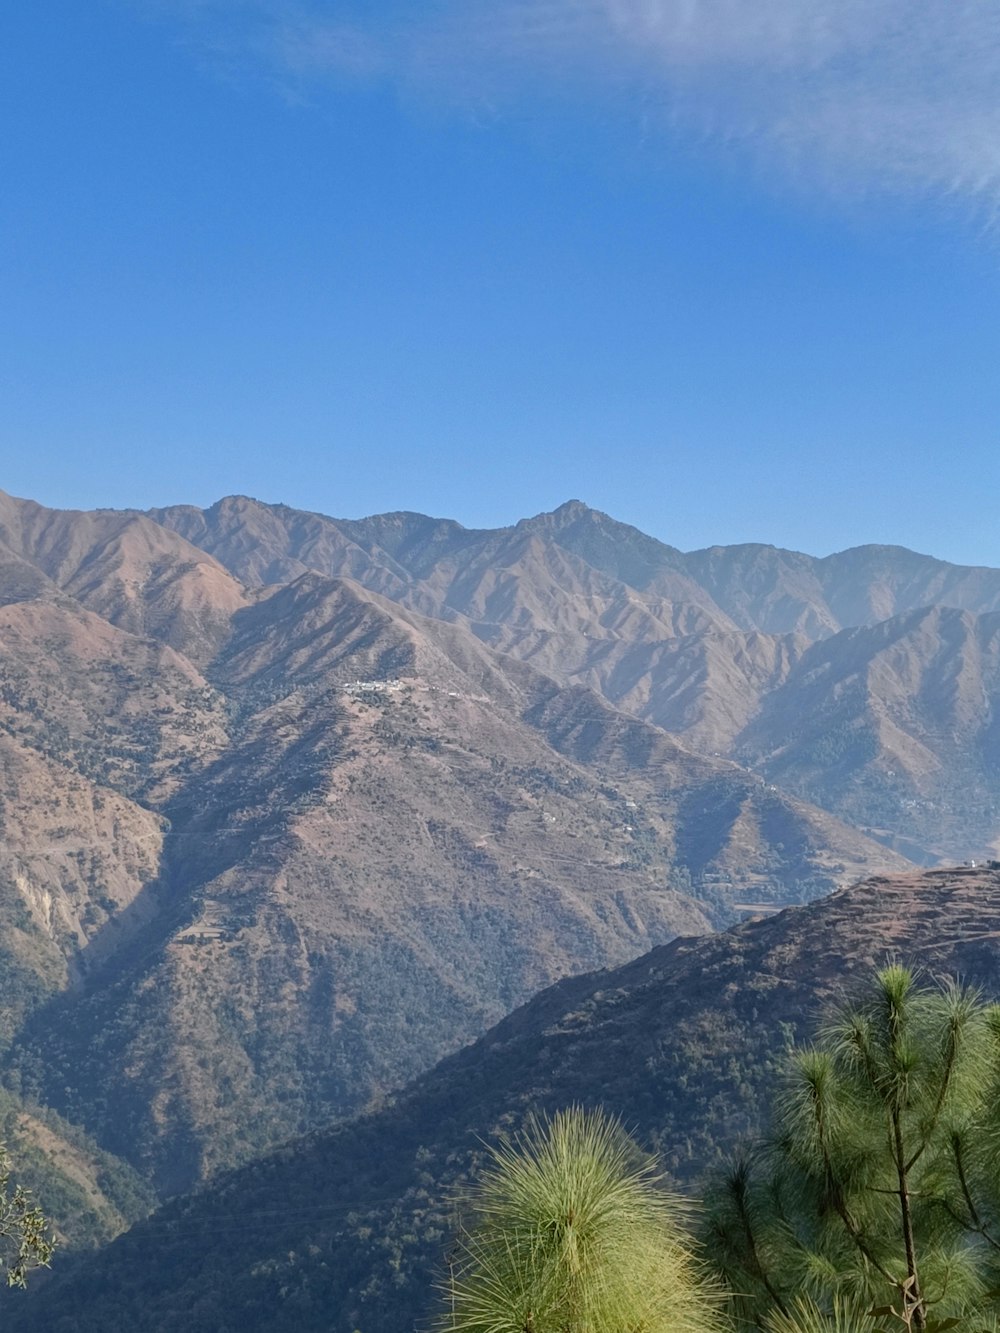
(569, 1231)
(875, 1203)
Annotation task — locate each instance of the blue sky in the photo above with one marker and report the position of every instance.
(729, 272)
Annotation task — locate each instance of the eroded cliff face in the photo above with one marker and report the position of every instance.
(76, 853)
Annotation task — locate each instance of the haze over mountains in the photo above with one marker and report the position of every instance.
(842, 679)
(292, 806)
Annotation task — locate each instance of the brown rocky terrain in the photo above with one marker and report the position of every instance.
(128, 570)
(723, 647)
(293, 806)
(894, 725)
(271, 852)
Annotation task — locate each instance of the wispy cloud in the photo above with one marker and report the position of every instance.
(896, 94)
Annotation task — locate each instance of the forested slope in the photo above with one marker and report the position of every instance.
(345, 1230)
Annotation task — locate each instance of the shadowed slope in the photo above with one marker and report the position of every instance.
(382, 836)
(344, 1230)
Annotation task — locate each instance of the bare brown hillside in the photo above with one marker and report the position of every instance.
(271, 853)
(731, 648)
(894, 727)
(131, 571)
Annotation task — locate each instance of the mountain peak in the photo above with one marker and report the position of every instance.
(569, 512)
(572, 509)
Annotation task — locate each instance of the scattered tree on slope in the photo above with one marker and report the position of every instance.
(570, 1232)
(876, 1201)
(26, 1242)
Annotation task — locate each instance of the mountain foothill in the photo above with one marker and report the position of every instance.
(293, 808)
(350, 1227)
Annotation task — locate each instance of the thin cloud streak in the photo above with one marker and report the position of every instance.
(901, 95)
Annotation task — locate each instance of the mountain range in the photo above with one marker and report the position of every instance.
(292, 807)
(851, 681)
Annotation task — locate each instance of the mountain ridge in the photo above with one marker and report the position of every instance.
(707, 644)
(343, 758)
(685, 1044)
(350, 801)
